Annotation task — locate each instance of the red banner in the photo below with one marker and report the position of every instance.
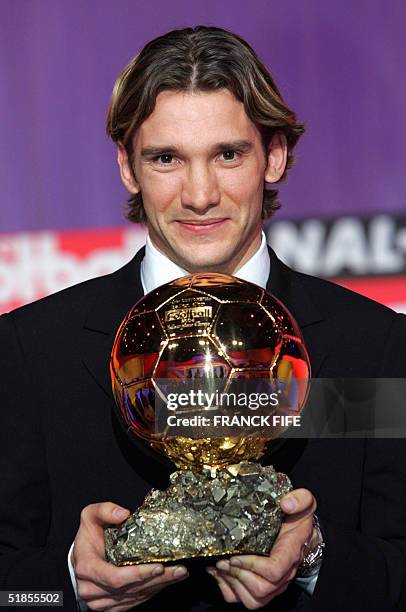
(35, 264)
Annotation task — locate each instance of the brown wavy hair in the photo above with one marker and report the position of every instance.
(199, 59)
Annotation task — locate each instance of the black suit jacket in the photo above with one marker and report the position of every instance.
(61, 448)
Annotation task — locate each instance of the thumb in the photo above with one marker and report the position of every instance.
(119, 514)
(298, 501)
(104, 514)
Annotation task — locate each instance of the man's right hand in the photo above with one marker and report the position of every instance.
(102, 585)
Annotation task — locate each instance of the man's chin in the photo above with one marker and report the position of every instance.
(206, 264)
(203, 256)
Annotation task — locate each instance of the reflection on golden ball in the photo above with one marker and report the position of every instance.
(205, 327)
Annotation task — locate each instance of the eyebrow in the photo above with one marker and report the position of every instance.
(241, 145)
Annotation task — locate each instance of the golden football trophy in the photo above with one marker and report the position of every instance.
(210, 333)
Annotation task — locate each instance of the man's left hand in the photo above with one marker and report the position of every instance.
(255, 580)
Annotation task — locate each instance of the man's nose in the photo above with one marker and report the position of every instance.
(200, 188)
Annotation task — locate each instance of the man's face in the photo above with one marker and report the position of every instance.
(200, 165)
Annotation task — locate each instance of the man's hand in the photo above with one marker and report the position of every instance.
(255, 580)
(102, 585)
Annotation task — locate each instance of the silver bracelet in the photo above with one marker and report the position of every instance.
(313, 558)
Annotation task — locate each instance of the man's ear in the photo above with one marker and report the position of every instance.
(126, 171)
(276, 158)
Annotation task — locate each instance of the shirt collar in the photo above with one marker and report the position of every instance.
(157, 269)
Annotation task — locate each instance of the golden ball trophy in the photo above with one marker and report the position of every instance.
(212, 332)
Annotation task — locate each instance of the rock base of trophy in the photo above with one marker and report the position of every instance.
(220, 511)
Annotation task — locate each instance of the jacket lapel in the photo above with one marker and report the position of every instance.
(292, 290)
(117, 294)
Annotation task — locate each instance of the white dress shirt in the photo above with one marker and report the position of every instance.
(156, 270)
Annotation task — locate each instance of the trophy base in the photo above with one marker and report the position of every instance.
(213, 514)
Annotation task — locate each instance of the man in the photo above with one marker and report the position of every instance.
(200, 127)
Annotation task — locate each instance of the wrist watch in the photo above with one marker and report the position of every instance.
(314, 554)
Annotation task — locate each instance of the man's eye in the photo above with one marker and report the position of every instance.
(230, 155)
(165, 159)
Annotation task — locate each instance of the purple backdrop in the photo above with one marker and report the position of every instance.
(340, 65)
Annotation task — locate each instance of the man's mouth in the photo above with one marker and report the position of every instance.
(201, 227)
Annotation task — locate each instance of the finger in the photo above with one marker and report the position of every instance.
(228, 594)
(298, 502)
(127, 603)
(107, 604)
(242, 593)
(273, 568)
(300, 531)
(126, 606)
(131, 603)
(286, 557)
(127, 599)
(103, 514)
(290, 543)
(108, 576)
(139, 576)
(89, 591)
(93, 519)
(254, 583)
